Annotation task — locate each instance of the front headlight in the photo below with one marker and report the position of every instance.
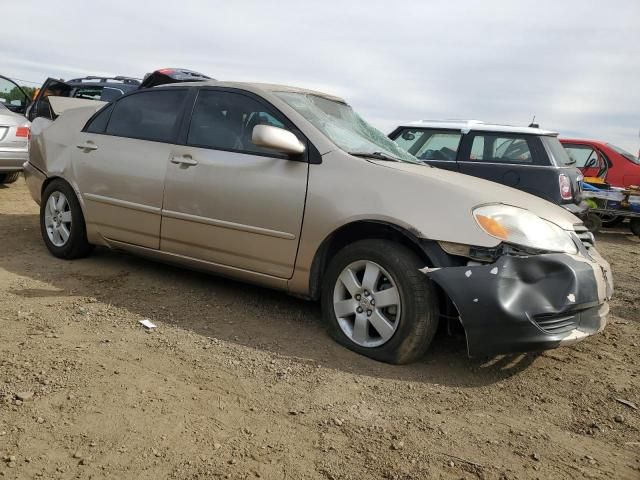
(521, 227)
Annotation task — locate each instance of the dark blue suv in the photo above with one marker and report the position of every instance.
(526, 158)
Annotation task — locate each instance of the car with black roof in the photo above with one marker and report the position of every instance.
(527, 158)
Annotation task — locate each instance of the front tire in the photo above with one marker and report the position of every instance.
(634, 225)
(62, 222)
(376, 302)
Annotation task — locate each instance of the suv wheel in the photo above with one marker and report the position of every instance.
(6, 178)
(376, 302)
(62, 223)
(635, 226)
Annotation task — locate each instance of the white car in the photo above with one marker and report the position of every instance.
(14, 130)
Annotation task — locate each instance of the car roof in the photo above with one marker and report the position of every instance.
(582, 140)
(253, 86)
(476, 125)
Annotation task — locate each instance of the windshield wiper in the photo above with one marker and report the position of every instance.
(376, 155)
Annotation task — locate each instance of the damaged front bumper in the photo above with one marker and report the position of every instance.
(534, 302)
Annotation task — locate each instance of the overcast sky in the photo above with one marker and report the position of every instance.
(575, 64)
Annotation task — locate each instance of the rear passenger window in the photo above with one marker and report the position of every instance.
(583, 155)
(99, 122)
(501, 149)
(225, 121)
(429, 144)
(149, 115)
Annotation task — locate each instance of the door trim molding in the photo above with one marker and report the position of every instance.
(122, 203)
(201, 265)
(230, 225)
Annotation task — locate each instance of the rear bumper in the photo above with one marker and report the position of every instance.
(34, 178)
(12, 161)
(529, 303)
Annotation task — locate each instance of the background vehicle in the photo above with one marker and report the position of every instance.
(529, 159)
(14, 144)
(291, 189)
(165, 76)
(12, 96)
(600, 159)
(104, 89)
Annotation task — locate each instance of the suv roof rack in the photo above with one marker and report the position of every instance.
(105, 79)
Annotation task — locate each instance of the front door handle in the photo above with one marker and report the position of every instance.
(87, 146)
(185, 160)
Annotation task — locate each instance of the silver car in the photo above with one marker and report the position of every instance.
(14, 130)
(291, 189)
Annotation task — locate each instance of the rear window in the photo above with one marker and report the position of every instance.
(501, 148)
(629, 156)
(150, 115)
(559, 153)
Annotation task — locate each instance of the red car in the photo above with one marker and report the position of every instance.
(600, 159)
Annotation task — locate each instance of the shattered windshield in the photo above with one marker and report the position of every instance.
(346, 128)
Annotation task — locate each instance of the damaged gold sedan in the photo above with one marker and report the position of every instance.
(291, 189)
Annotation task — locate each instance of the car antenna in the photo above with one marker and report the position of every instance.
(533, 123)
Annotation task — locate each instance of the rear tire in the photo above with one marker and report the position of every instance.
(635, 226)
(62, 222)
(6, 178)
(593, 222)
(400, 327)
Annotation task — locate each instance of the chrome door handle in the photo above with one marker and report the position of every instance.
(87, 146)
(185, 160)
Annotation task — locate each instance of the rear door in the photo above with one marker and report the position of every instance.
(228, 201)
(515, 160)
(121, 161)
(435, 147)
(588, 159)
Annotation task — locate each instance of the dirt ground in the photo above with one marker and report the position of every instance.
(242, 382)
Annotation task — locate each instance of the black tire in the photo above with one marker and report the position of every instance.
(634, 225)
(6, 178)
(593, 222)
(77, 245)
(611, 222)
(418, 320)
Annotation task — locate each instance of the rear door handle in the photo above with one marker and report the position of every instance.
(87, 146)
(185, 160)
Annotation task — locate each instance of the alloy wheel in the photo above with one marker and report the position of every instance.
(366, 302)
(57, 218)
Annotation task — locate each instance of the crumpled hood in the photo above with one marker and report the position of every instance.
(485, 192)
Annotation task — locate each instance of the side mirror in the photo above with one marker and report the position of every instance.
(277, 139)
(591, 162)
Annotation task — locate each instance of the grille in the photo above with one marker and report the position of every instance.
(554, 323)
(585, 236)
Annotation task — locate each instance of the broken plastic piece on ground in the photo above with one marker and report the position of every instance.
(146, 323)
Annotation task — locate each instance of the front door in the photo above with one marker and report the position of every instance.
(228, 201)
(120, 162)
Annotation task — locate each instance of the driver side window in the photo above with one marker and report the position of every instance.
(225, 121)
